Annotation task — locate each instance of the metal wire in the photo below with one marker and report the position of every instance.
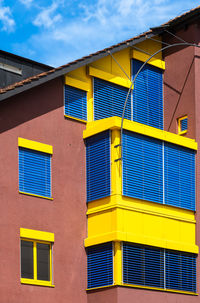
(133, 81)
(178, 38)
(119, 65)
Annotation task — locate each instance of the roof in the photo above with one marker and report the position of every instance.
(36, 80)
(25, 59)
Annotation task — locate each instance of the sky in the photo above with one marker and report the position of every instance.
(55, 32)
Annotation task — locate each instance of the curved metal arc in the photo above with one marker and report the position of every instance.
(133, 81)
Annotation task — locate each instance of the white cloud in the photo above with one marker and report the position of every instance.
(96, 25)
(8, 23)
(46, 17)
(27, 3)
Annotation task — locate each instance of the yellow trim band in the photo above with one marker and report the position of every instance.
(80, 84)
(36, 235)
(145, 287)
(179, 125)
(43, 197)
(140, 239)
(73, 118)
(98, 126)
(143, 57)
(45, 148)
(109, 77)
(36, 282)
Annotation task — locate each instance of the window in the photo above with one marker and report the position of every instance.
(158, 171)
(182, 125)
(109, 100)
(100, 265)
(36, 257)
(160, 268)
(75, 103)
(148, 95)
(98, 166)
(35, 168)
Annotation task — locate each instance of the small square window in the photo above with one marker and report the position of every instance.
(36, 259)
(182, 125)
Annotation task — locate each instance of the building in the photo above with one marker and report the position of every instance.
(137, 237)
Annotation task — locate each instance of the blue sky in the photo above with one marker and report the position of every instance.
(55, 32)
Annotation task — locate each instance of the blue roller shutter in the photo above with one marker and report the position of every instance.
(184, 124)
(142, 167)
(34, 172)
(98, 166)
(180, 271)
(109, 100)
(100, 265)
(179, 174)
(148, 95)
(143, 265)
(75, 103)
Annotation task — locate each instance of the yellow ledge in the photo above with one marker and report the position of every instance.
(98, 126)
(80, 84)
(45, 148)
(143, 57)
(139, 239)
(73, 118)
(36, 282)
(43, 197)
(145, 287)
(109, 77)
(36, 235)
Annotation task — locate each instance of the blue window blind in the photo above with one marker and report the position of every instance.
(109, 100)
(142, 167)
(179, 176)
(180, 271)
(148, 95)
(184, 124)
(143, 265)
(156, 267)
(34, 172)
(75, 103)
(98, 166)
(100, 265)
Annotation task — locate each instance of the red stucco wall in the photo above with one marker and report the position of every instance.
(38, 115)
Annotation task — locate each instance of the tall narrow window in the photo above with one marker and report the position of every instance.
(35, 168)
(182, 125)
(75, 103)
(148, 95)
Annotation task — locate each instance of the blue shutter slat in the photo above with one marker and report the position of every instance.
(148, 95)
(149, 266)
(179, 174)
(34, 172)
(109, 100)
(142, 167)
(143, 265)
(98, 166)
(180, 271)
(75, 102)
(184, 124)
(100, 265)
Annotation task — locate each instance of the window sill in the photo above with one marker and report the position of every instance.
(36, 282)
(73, 118)
(145, 287)
(33, 195)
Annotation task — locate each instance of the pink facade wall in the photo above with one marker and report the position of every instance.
(38, 115)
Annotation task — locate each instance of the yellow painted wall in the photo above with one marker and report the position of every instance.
(115, 73)
(141, 222)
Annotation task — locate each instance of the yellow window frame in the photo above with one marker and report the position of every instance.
(35, 281)
(180, 132)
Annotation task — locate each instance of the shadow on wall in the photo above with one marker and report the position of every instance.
(31, 104)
